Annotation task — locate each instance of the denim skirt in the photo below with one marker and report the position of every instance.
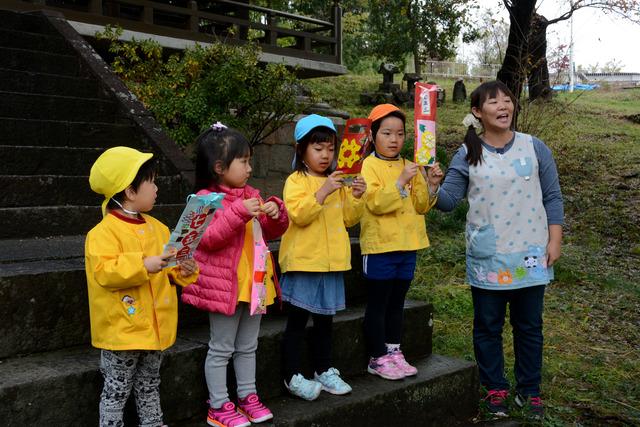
(320, 293)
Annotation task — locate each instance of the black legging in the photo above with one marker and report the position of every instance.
(294, 336)
(384, 314)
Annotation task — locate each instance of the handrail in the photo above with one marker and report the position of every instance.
(321, 43)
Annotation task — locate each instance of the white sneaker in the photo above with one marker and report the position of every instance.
(303, 388)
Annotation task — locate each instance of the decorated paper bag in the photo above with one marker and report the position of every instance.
(354, 146)
(194, 220)
(258, 287)
(424, 148)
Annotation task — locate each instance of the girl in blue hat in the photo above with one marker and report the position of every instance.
(314, 252)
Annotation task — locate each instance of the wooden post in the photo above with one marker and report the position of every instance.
(272, 35)
(336, 15)
(95, 7)
(194, 19)
(147, 14)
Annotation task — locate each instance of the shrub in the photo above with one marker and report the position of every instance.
(190, 90)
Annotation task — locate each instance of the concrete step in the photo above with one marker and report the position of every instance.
(67, 133)
(53, 190)
(20, 39)
(26, 22)
(43, 284)
(63, 387)
(45, 221)
(444, 393)
(49, 84)
(39, 62)
(53, 107)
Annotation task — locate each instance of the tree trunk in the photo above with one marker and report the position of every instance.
(539, 86)
(514, 68)
(413, 22)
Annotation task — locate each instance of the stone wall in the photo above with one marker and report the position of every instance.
(272, 159)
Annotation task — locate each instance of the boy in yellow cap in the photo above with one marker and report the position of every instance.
(132, 304)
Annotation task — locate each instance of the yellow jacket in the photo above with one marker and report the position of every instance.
(391, 222)
(129, 308)
(317, 240)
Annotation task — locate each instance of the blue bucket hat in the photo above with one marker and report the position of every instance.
(306, 125)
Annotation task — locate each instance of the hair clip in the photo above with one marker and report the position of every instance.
(471, 120)
(218, 126)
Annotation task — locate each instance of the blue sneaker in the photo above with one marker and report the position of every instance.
(331, 382)
(303, 388)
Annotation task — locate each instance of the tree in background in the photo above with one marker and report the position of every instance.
(493, 38)
(426, 29)
(526, 58)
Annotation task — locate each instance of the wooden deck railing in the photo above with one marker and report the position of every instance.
(229, 21)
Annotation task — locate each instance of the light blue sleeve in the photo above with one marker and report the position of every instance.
(454, 187)
(549, 183)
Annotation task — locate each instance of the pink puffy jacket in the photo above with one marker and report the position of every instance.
(218, 253)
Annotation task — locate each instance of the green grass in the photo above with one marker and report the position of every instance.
(591, 373)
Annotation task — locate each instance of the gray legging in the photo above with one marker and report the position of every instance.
(237, 336)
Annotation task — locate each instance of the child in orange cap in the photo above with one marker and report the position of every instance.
(132, 304)
(392, 229)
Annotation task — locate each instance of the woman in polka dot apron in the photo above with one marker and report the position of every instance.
(513, 236)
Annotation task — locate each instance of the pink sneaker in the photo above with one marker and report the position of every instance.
(227, 416)
(254, 409)
(401, 363)
(384, 367)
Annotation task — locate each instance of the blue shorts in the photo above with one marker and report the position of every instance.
(389, 265)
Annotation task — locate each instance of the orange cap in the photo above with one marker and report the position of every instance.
(383, 110)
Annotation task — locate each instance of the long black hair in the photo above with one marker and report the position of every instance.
(478, 97)
(217, 145)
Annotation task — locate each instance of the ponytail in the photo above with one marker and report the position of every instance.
(474, 147)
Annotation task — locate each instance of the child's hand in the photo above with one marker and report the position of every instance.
(407, 174)
(271, 209)
(154, 264)
(359, 187)
(253, 206)
(187, 267)
(434, 175)
(333, 183)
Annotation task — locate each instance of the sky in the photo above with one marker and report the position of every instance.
(598, 37)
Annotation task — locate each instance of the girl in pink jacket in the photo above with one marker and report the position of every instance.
(225, 258)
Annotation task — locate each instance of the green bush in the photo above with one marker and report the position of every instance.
(190, 90)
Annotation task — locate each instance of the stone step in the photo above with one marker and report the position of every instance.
(53, 107)
(21, 39)
(43, 283)
(26, 22)
(45, 221)
(49, 84)
(63, 387)
(67, 133)
(67, 161)
(31, 160)
(52, 190)
(39, 62)
(444, 393)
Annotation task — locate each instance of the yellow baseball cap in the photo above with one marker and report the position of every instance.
(383, 110)
(115, 170)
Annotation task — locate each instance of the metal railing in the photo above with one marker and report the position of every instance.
(459, 69)
(204, 20)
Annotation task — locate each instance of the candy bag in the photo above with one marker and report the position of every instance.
(258, 303)
(424, 148)
(354, 146)
(195, 218)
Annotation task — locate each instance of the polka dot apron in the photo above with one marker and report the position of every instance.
(507, 231)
